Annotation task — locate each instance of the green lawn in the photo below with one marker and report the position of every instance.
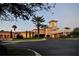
(25, 40)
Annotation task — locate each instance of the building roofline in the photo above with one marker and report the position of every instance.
(53, 21)
(13, 32)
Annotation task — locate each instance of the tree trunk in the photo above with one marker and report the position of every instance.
(44, 31)
(26, 34)
(11, 36)
(38, 32)
(14, 34)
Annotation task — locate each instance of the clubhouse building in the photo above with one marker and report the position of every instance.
(51, 31)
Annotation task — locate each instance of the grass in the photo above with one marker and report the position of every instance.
(25, 40)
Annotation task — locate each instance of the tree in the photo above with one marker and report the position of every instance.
(14, 27)
(1, 30)
(67, 28)
(75, 32)
(11, 34)
(38, 22)
(22, 10)
(44, 26)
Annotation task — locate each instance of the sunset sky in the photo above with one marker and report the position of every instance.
(66, 14)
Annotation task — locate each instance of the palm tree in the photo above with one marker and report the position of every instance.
(38, 22)
(14, 27)
(67, 28)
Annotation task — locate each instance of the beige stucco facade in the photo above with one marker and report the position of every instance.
(7, 35)
(52, 31)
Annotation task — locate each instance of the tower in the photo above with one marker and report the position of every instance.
(53, 24)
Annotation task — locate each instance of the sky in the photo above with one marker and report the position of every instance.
(66, 14)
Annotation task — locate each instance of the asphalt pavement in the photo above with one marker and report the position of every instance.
(50, 47)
